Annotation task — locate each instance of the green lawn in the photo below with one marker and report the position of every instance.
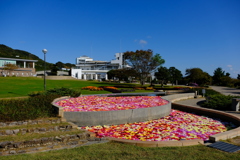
(22, 86)
(118, 151)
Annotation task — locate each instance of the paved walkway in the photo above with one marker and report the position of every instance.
(224, 90)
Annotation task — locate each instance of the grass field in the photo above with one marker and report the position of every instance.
(118, 151)
(22, 86)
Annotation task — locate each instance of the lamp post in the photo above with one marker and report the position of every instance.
(44, 51)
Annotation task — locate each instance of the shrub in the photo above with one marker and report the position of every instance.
(38, 105)
(63, 92)
(219, 101)
(13, 109)
(23, 109)
(58, 91)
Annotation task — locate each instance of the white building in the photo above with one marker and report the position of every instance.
(26, 67)
(87, 68)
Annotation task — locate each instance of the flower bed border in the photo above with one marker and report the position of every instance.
(113, 117)
(176, 97)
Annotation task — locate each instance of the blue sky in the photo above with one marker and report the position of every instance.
(186, 33)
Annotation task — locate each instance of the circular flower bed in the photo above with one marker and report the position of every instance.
(97, 103)
(177, 126)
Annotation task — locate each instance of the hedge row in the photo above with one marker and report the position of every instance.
(38, 105)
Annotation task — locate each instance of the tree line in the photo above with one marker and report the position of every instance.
(144, 64)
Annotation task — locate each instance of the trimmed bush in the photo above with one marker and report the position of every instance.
(58, 91)
(38, 105)
(219, 101)
(22, 109)
(63, 92)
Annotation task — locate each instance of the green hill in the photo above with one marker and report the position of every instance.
(8, 52)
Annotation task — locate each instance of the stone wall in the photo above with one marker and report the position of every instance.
(30, 122)
(22, 131)
(47, 143)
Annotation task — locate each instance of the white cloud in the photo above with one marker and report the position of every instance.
(142, 42)
(230, 67)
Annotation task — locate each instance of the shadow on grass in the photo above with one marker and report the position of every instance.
(201, 102)
(16, 94)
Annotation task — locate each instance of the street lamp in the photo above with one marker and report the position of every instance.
(44, 51)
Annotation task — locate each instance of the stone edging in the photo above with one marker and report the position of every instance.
(30, 122)
(158, 143)
(22, 131)
(212, 113)
(113, 117)
(47, 143)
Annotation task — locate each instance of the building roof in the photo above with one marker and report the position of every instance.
(15, 59)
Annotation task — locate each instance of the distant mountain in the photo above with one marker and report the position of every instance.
(8, 52)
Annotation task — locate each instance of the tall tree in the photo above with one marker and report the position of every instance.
(59, 65)
(226, 81)
(162, 75)
(227, 74)
(143, 62)
(174, 75)
(196, 75)
(217, 75)
(69, 65)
